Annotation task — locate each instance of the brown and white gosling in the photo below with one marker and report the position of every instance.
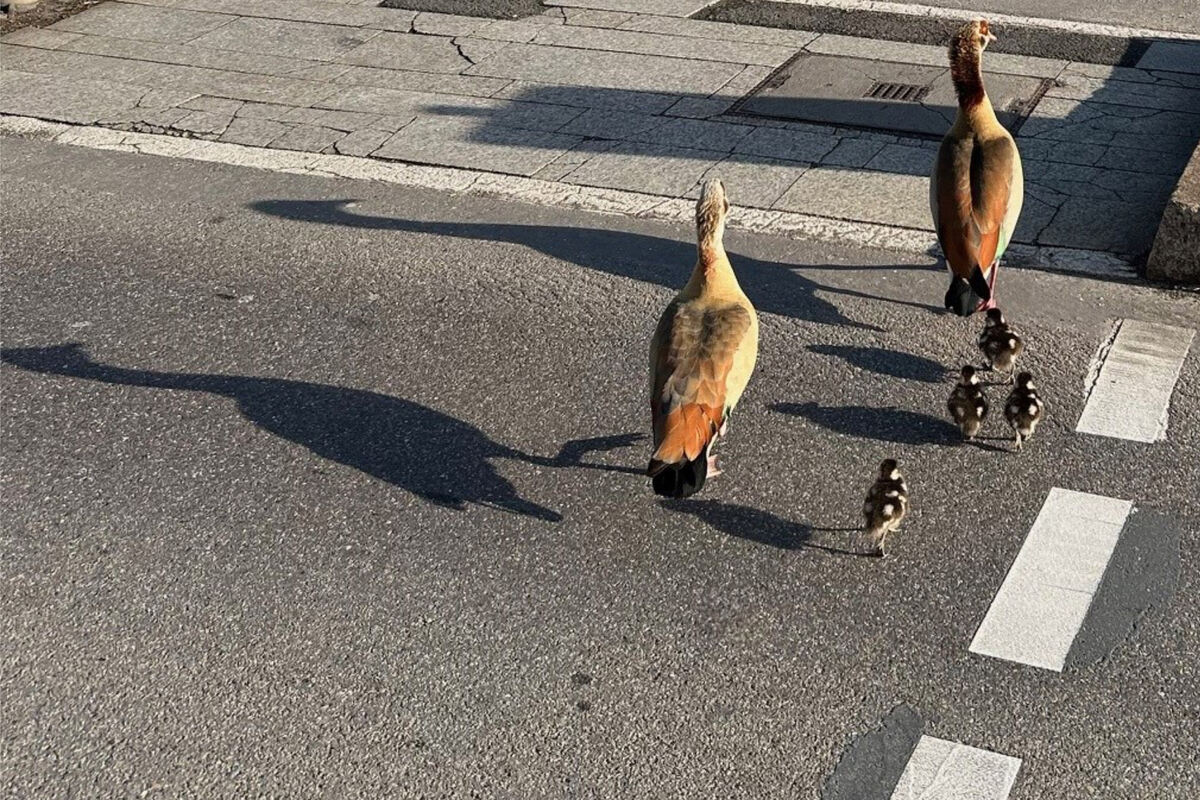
(1023, 409)
(885, 507)
(1000, 344)
(967, 404)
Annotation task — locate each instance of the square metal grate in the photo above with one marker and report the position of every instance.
(904, 92)
(912, 99)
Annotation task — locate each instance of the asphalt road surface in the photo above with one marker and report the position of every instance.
(1166, 15)
(313, 498)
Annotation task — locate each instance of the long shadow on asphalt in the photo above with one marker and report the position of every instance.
(893, 363)
(771, 286)
(763, 527)
(882, 424)
(433, 455)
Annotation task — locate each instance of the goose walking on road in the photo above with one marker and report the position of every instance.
(977, 186)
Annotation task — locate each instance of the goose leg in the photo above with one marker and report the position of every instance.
(991, 279)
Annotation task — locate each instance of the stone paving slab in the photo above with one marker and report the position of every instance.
(1123, 93)
(286, 38)
(649, 168)
(591, 18)
(189, 55)
(430, 82)
(667, 8)
(626, 41)
(560, 65)
(461, 143)
(858, 194)
(46, 38)
(319, 11)
(200, 80)
(396, 51)
(758, 183)
(788, 144)
(1172, 57)
(77, 100)
(143, 22)
(616, 95)
(588, 97)
(716, 31)
(998, 63)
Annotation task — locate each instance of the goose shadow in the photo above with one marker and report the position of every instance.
(571, 454)
(435, 456)
(893, 363)
(882, 424)
(772, 287)
(762, 527)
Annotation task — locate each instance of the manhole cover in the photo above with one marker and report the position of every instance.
(886, 95)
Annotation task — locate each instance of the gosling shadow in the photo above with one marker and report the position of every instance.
(761, 527)
(893, 425)
(893, 363)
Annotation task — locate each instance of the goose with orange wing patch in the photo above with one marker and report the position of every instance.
(701, 357)
(977, 186)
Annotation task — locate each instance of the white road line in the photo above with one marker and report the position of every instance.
(914, 10)
(942, 770)
(1130, 392)
(1045, 596)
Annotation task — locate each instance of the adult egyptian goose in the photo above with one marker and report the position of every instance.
(701, 357)
(977, 186)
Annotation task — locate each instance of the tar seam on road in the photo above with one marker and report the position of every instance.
(1044, 599)
(1130, 394)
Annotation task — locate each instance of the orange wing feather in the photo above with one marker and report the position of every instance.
(696, 349)
(974, 187)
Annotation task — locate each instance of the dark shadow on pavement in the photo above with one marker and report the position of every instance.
(894, 363)
(571, 454)
(759, 526)
(771, 286)
(433, 455)
(882, 424)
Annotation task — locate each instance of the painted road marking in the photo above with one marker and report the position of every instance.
(1132, 380)
(1045, 596)
(942, 770)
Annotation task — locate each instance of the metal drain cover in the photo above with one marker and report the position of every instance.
(886, 95)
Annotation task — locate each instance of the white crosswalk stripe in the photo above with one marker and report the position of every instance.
(1133, 381)
(1045, 596)
(942, 770)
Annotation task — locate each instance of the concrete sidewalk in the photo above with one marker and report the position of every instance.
(592, 97)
